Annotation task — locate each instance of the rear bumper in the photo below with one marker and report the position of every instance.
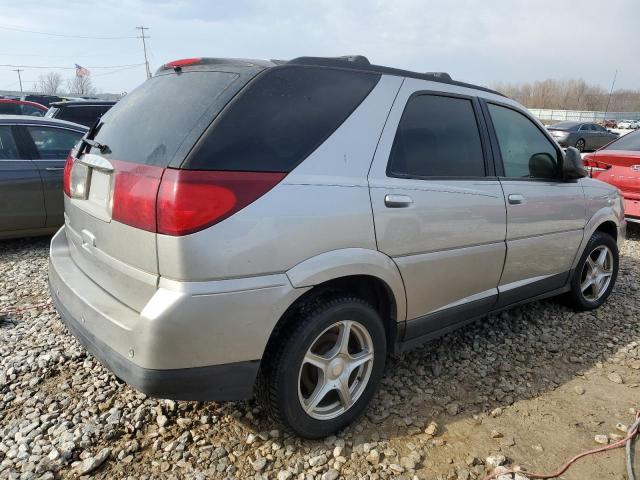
(191, 341)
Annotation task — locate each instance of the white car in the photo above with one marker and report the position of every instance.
(625, 124)
(635, 124)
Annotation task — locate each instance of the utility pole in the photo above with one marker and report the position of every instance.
(19, 78)
(144, 47)
(610, 93)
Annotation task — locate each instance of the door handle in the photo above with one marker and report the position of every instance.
(54, 169)
(397, 201)
(516, 199)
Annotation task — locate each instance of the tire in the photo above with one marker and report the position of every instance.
(580, 144)
(596, 294)
(288, 381)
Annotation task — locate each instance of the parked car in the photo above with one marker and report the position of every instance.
(45, 100)
(619, 164)
(625, 124)
(84, 112)
(582, 135)
(291, 223)
(634, 124)
(610, 124)
(32, 158)
(21, 107)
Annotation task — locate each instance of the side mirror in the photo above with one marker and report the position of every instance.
(542, 165)
(572, 165)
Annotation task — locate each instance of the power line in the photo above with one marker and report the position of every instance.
(63, 35)
(144, 47)
(69, 68)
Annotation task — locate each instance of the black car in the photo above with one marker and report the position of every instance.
(582, 135)
(82, 112)
(45, 100)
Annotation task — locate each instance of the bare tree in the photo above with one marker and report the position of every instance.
(571, 94)
(49, 84)
(81, 86)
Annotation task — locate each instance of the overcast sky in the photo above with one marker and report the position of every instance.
(475, 41)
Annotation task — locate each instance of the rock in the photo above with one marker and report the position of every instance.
(373, 457)
(318, 460)
(259, 463)
(579, 389)
(615, 378)
(496, 460)
(453, 408)
(432, 429)
(496, 434)
(496, 412)
(284, 475)
(331, 474)
(621, 427)
(91, 464)
(161, 420)
(602, 439)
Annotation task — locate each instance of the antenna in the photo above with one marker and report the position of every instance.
(610, 92)
(144, 47)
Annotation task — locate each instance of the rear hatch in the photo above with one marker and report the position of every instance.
(112, 178)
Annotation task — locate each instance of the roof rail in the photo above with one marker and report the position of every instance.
(442, 75)
(359, 60)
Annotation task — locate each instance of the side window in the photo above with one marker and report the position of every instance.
(437, 137)
(525, 151)
(53, 143)
(31, 110)
(8, 147)
(586, 128)
(9, 108)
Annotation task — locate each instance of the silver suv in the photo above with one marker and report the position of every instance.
(240, 226)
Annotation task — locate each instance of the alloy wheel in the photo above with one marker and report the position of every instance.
(335, 370)
(596, 273)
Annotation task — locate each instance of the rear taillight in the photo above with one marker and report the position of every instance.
(134, 194)
(66, 183)
(191, 200)
(594, 166)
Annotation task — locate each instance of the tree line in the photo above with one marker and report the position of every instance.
(571, 94)
(53, 84)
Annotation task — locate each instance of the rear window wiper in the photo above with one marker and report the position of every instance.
(100, 146)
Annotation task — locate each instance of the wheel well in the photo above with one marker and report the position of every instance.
(371, 289)
(609, 228)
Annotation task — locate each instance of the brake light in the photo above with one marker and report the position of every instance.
(134, 194)
(593, 165)
(191, 200)
(182, 63)
(66, 183)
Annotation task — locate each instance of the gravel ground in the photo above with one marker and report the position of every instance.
(530, 388)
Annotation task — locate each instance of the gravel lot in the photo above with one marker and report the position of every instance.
(534, 385)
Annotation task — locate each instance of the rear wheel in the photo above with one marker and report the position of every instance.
(595, 274)
(323, 373)
(580, 145)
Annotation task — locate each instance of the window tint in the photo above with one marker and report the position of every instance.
(9, 109)
(437, 137)
(84, 115)
(31, 110)
(525, 151)
(599, 128)
(586, 127)
(630, 142)
(53, 143)
(8, 147)
(149, 124)
(281, 118)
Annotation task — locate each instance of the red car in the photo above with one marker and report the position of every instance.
(21, 107)
(618, 163)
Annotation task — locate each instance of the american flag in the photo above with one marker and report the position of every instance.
(81, 71)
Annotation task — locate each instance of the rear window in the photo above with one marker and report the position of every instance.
(149, 124)
(629, 142)
(283, 116)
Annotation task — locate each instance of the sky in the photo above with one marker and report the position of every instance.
(482, 42)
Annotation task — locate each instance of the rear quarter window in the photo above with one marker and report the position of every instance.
(280, 118)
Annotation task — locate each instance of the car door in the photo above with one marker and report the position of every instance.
(545, 214)
(590, 136)
(604, 136)
(50, 146)
(438, 209)
(21, 197)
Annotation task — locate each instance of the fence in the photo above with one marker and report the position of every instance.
(584, 116)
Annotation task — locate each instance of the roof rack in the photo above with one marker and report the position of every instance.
(360, 62)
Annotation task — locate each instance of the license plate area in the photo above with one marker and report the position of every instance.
(96, 200)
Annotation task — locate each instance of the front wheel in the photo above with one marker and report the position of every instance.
(596, 273)
(580, 145)
(323, 373)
